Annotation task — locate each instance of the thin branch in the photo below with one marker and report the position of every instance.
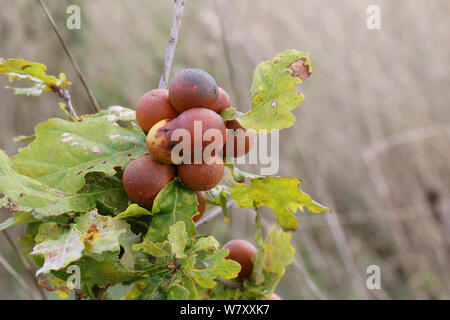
(309, 282)
(64, 93)
(214, 213)
(25, 264)
(17, 277)
(170, 52)
(71, 57)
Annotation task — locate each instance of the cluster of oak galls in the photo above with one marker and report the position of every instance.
(193, 95)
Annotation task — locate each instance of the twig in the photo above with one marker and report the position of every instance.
(176, 24)
(71, 57)
(25, 264)
(17, 277)
(64, 93)
(214, 213)
(309, 282)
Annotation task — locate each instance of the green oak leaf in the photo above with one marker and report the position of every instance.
(111, 197)
(189, 284)
(216, 266)
(23, 138)
(64, 152)
(280, 194)
(220, 195)
(25, 194)
(113, 114)
(155, 283)
(133, 210)
(16, 219)
(48, 231)
(101, 233)
(273, 91)
(172, 204)
(132, 259)
(105, 269)
(257, 275)
(278, 252)
(239, 175)
(204, 244)
(155, 249)
(23, 69)
(178, 292)
(59, 253)
(135, 291)
(178, 238)
(229, 114)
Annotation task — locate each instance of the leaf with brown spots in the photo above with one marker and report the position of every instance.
(101, 233)
(61, 252)
(274, 91)
(77, 149)
(25, 194)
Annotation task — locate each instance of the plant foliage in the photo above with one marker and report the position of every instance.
(66, 187)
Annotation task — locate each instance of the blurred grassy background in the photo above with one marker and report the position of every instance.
(371, 139)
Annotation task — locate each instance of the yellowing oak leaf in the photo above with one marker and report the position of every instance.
(23, 69)
(274, 91)
(280, 194)
(178, 238)
(278, 252)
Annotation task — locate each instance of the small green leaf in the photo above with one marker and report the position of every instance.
(240, 176)
(189, 284)
(229, 114)
(155, 249)
(173, 203)
(281, 194)
(132, 259)
(135, 291)
(178, 292)
(134, 210)
(105, 269)
(154, 284)
(113, 114)
(205, 244)
(258, 263)
(61, 252)
(18, 218)
(278, 252)
(274, 93)
(216, 267)
(178, 238)
(23, 138)
(220, 195)
(48, 231)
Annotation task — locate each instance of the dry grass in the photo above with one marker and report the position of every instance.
(371, 139)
